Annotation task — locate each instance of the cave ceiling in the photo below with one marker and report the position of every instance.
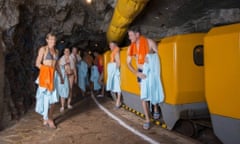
(84, 25)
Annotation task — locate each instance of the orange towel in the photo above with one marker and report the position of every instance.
(46, 77)
(100, 60)
(114, 52)
(142, 51)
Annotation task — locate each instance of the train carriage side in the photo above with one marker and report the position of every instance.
(222, 78)
(182, 75)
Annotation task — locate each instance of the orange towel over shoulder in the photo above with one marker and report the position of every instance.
(46, 77)
(114, 52)
(143, 49)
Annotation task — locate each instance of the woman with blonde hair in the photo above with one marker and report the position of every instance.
(46, 93)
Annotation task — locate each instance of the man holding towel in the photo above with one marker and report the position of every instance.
(113, 78)
(139, 48)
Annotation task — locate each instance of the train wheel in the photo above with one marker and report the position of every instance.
(207, 136)
(186, 127)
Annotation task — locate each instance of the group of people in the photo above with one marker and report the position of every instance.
(58, 75)
(145, 51)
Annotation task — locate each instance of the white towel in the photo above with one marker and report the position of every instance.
(82, 75)
(95, 77)
(113, 78)
(151, 86)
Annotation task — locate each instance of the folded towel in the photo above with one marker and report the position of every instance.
(82, 75)
(46, 77)
(151, 86)
(44, 98)
(62, 89)
(95, 77)
(113, 78)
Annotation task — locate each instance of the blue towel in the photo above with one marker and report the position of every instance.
(113, 78)
(95, 77)
(151, 86)
(44, 98)
(82, 75)
(62, 89)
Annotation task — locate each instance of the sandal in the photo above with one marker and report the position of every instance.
(156, 115)
(146, 125)
(117, 107)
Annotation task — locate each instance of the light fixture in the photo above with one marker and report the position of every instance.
(89, 1)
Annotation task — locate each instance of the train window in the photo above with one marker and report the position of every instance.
(198, 55)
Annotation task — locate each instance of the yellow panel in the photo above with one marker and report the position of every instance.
(166, 50)
(106, 60)
(182, 79)
(124, 13)
(130, 8)
(222, 70)
(120, 21)
(128, 79)
(115, 33)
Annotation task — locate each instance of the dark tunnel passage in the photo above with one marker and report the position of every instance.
(24, 25)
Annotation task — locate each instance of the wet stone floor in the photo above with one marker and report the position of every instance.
(86, 123)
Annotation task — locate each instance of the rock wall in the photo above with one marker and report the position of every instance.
(9, 17)
(23, 27)
(2, 67)
(168, 18)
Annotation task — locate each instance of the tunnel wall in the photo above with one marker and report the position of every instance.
(1, 79)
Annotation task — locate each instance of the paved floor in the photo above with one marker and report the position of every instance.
(86, 123)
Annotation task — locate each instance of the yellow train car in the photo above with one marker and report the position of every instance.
(106, 60)
(195, 81)
(222, 80)
(181, 59)
(182, 72)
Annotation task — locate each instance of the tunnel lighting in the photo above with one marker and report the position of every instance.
(89, 1)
